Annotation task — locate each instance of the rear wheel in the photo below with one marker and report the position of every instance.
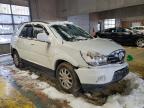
(140, 42)
(67, 78)
(17, 60)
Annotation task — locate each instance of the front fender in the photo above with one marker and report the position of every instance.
(69, 55)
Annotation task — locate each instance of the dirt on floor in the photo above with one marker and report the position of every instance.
(11, 97)
(137, 64)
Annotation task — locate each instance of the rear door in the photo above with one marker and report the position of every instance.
(105, 33)
(24, 42)
(123, 35)
(111, 34)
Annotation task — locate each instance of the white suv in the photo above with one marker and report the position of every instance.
(75, 57)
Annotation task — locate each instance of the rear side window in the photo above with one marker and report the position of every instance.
(112, 30)
(107, 30)
(27, 31)
(121, 30)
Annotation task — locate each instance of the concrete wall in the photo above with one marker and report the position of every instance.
(80, 20)
(61, 9)
(133, 11)
(75, 7)
(43, 9)
(99, 10)
(94, 20)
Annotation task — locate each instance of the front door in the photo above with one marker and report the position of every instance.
(40, 49)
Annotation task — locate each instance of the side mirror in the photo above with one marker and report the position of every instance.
(43, 37)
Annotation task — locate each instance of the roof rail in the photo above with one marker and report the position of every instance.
(46, 21)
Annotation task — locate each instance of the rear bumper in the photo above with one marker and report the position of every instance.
(102, 75)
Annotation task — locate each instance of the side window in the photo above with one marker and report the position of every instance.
(27, 31)
(124, 30)
(107, 30)
(39, 29)
(121, 30)
(112, 30)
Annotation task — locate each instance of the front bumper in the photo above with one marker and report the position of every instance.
(102, 74)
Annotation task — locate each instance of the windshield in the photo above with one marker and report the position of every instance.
(70, 32)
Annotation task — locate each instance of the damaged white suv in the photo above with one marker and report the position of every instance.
(75, 57)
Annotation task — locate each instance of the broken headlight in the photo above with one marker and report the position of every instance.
(94, 58)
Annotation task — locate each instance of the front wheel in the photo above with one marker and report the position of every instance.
(67, 78)
(140, 42)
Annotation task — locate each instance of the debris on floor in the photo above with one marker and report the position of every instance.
(11, 97)
(128, 93)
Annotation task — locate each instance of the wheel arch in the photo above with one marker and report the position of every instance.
(13, 50)
(58, 62)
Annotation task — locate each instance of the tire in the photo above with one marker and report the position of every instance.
(17, 60)
(140, 42)
(67, 78)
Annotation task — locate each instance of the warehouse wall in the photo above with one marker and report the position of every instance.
(126, 23)
(53, 9)
(80, 20)
(124, 16)
(94, 20)
(75, 7)
(132, 11)
(43, 9)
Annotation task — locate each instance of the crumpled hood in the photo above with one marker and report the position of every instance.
(102, 46)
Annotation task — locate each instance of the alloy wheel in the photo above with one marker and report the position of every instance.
(65, 78)
(140, 42)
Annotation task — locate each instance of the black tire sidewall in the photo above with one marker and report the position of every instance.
(137, 42)
(20, 65)
(76, 83)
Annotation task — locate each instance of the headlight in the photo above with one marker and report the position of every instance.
(94, 58)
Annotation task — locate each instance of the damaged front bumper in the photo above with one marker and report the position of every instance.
(101, 75)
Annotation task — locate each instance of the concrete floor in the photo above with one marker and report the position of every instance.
(137, 64)
(22, 92)
(11, 97)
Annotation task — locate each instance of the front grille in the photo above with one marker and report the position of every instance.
(116, 57)
(118, 75)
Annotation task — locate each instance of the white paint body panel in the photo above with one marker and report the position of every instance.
(46, 55)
